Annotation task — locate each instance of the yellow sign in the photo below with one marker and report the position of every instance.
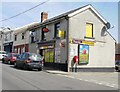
(91, 43)
(61, 33)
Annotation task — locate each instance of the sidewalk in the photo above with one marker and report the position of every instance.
(103, 78)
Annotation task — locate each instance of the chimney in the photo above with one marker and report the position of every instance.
(44, 16)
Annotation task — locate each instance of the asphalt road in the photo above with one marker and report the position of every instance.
(17, 79)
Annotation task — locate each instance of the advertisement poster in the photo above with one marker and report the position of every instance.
(83, 54)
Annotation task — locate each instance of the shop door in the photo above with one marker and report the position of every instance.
(49, 55)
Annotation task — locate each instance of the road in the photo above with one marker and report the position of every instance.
(17, 79)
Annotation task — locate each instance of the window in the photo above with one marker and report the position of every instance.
(43, 34)
(23, 35)
(57, 28)
(32, 39)
(15, 38)
(89, 30)
(33, 36)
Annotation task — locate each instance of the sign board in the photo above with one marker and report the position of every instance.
(83, 54)
(61, 33)
(90, 43)
(78, 41)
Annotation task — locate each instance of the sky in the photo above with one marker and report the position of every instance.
(109, 10)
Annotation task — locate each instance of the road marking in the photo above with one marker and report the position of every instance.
(93, 81)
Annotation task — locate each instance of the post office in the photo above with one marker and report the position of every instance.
(78, 40)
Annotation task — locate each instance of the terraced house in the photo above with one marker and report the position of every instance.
(77, 40)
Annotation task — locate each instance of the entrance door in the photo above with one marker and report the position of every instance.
(49, 55)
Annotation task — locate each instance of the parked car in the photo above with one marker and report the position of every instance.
(2, 53)
(30, 61)
(117, 66)
(10, 58)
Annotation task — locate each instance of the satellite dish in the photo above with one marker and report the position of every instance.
(108, 25)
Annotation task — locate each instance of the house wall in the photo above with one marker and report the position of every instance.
(50, 36)
(8, 41)
(21, 45)
(33, 46)
(102, 54)
(20, 40)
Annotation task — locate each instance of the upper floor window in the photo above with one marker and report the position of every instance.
(15, 38)
(43, 37)
(23, 35)
(57, 28)
(89, 30)
(32, 34)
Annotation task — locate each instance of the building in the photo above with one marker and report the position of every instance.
(22, 38)
(1, 40)
(8, 41)
(117, 52)
(5, 39)
(81, 33)
(74, 41)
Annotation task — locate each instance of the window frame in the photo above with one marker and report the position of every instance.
(86, 31)
(23, 36)
(56, 27)
(15, 37)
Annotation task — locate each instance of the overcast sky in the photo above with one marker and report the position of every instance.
(109, 10)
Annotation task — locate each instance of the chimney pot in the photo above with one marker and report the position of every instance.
(44, 16)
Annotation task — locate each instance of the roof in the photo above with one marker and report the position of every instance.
(24, 28)
(78, 10)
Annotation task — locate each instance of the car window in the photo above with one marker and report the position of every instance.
(25, 56)
(15, 55)
(34, 56)
(8, 55)
(3, 52)
(117, 63)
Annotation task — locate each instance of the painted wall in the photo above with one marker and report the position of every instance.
(33, 46)
(102, 54)
(21, 41)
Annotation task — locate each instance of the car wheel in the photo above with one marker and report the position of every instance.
(2, 60)
(116, 68)
(25, 67)
(40, 69)
(9, 62)
(15, 64)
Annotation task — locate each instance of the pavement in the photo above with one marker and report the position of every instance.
(103, 78)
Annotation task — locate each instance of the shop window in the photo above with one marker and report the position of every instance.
(23, 35)
(57, 28)
(15, 50)
(89, 30)
(15, 38)
(49, 55)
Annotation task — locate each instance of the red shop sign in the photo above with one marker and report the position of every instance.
(45, 30)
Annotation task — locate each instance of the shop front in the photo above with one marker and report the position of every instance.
(79, 53)
(21, 48)
(8, 47)
(51, 52)
(46, 49)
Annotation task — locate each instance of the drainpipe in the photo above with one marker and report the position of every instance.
(67, 40)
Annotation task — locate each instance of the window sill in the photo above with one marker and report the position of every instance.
(89, 37)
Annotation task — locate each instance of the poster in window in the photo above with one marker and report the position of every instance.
(83, 54)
